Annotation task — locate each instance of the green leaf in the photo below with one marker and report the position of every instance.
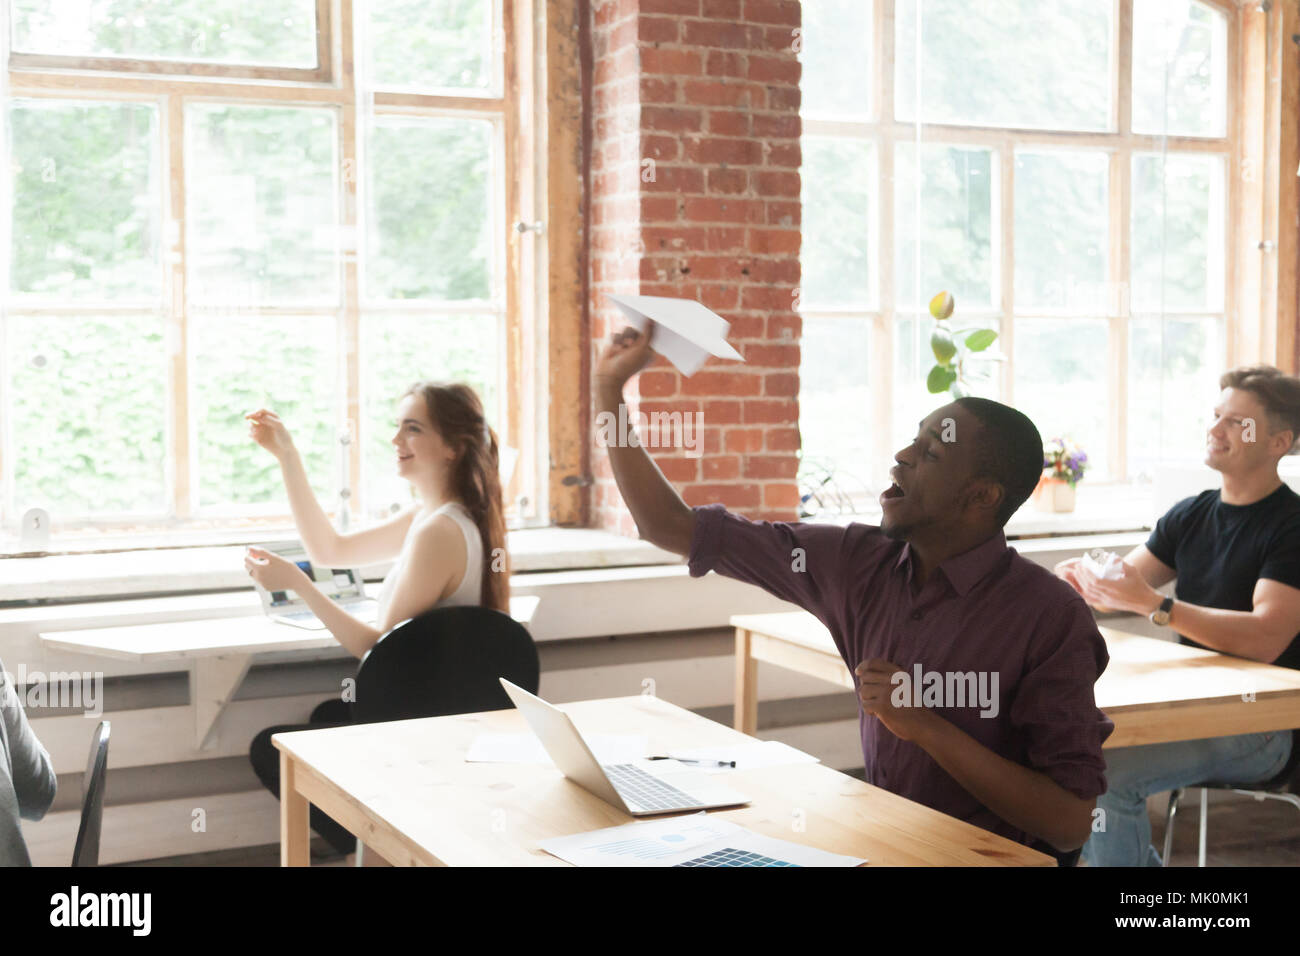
(942, 345)
(939, 379)
(981, 339)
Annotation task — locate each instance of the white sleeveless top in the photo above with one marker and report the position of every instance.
(469, 592)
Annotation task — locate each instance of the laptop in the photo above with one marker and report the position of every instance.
(342, 585)
(643, 788)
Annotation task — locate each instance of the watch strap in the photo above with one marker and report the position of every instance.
(1160, 615)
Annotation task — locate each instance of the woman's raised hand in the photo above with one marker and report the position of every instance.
(265, 428)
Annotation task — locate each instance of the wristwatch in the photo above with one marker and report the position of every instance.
(1160, 615)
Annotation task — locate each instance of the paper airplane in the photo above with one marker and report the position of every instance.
(688, 332)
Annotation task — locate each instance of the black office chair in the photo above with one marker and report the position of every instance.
(1284, 786)
(86, 850)
(446, 661)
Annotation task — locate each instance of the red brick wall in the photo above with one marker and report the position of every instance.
(694, 192)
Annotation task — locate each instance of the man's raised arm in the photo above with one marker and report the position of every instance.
(661, 516)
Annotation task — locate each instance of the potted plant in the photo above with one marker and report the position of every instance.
(951, 348)
(1063, 466)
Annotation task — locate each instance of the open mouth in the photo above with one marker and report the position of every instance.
(892, 493)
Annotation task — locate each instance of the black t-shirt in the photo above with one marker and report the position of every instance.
(1220, 551)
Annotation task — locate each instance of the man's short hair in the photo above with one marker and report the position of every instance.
(1278, 392)
(1009, 450)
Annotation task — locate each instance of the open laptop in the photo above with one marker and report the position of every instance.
(642, 788)
(344, 586)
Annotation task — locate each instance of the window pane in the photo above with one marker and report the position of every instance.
(266, 33)
(433, 44)
(835, 407)
(1062, 221)
(1016, 63)
(913, 359)
(262, 203)
(835, 50)
(1061, 380)
(838, 252)
(87, 413)
(1178, 238)
(397, 352)
(955, 228)
(1180, 58)
(86, 201)
(240, 363)
(430, 232)
(1174, 369)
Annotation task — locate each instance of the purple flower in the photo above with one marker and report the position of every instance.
(1064, 459)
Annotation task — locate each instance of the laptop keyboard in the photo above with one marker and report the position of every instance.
(645, 790)
(730, 856)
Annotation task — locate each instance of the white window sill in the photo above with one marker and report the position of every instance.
(124, 574)
(593, 602)
(1105, 516)
(1099, 509)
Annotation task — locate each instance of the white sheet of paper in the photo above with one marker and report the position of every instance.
(526, 748)
(687, 332)
(1104, 564)
(675, 840)
(760, 753)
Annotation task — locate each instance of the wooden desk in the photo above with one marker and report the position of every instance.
(218, 651)
(1155, 691)
(405, 789)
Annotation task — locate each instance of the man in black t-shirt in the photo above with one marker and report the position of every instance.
(1236, 555)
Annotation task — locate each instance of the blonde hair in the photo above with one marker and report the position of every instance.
(1278, 392)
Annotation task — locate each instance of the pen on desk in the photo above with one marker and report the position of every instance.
(711, 763)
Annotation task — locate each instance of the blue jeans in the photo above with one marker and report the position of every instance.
(1134, 773)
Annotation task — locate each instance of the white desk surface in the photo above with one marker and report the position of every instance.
(215, 637)
(218, 651)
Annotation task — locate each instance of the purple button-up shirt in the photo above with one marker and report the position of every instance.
(988, 611)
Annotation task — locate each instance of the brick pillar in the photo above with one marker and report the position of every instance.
(694, 192)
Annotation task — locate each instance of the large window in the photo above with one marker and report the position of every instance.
(998, 151)
(219, 206)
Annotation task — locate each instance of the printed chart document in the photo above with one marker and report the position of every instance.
(695, 840)
(750, 756)
(526, 748)
(687, 334)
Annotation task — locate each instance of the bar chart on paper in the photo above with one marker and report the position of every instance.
(730, 856)
(655, 846)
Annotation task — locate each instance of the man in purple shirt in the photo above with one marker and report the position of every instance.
(975, 667)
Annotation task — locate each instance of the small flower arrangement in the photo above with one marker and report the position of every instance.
(1063, 460)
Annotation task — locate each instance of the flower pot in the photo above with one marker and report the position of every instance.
(1054, 494)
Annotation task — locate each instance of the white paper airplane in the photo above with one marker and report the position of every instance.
(688, 332)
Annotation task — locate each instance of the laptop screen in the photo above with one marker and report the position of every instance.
(336, 583)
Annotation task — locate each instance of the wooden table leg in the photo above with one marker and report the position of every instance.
(746, 706)
(295, 826)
